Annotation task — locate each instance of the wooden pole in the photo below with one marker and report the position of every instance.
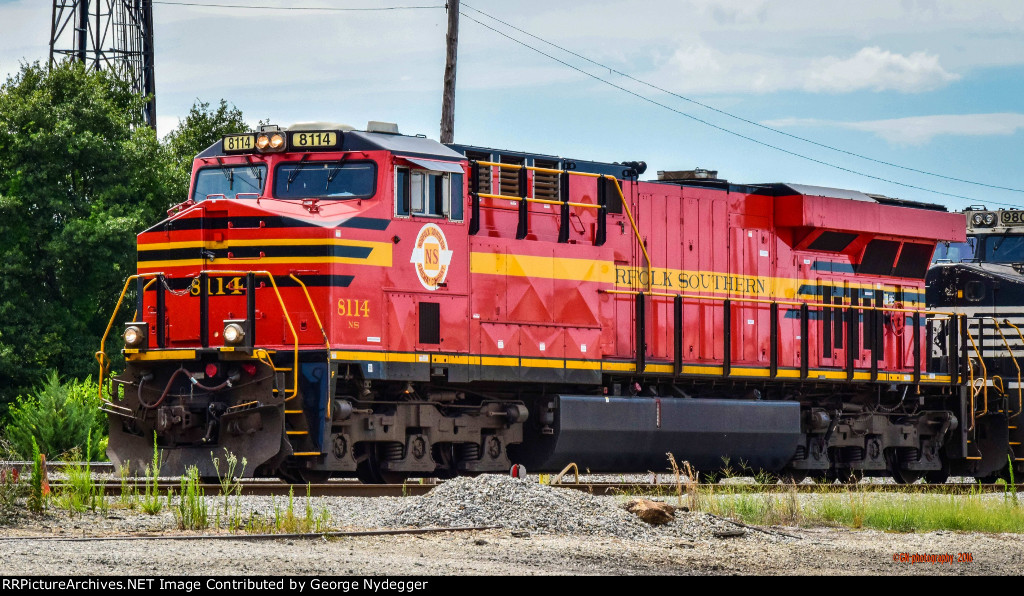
(448, 103)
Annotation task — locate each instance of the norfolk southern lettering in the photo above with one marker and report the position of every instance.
(695, 282)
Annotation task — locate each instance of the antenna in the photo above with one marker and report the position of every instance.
(113, 35)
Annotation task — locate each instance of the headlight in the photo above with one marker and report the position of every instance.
(134, 335)
(977, 219)
(990, 218)
(270, 141)
(233, 333)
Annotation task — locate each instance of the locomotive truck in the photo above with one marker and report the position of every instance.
(336, 302)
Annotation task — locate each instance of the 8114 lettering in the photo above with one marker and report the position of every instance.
(219, 286)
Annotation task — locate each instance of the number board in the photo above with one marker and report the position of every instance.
(322, 140)
(1012, 217)
(239, 143)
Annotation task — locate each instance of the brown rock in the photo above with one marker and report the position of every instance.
(652, 512)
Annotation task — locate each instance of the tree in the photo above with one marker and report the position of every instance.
(79, 177)
(200, 129)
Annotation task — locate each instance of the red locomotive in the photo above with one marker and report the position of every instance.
(362, 303)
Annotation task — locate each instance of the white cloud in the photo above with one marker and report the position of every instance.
(919, 130)
(699, 67)
(879, 70)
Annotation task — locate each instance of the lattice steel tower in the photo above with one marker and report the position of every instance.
(115, 35)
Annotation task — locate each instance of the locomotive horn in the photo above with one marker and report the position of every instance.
(637, 166)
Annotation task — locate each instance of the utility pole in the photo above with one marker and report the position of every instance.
(448, 103)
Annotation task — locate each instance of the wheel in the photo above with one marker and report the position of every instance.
(939, 476)
(369, 469)
(314, 476)
(900, 474)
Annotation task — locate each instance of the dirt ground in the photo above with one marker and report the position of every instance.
(499, 552)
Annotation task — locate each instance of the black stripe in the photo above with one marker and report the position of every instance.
(268, 221)
(366, 223)
(221, 223)
(249, 252)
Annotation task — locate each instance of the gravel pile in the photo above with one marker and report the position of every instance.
(494, 500)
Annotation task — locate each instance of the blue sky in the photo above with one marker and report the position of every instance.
(934, 85)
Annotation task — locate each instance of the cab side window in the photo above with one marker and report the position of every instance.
(424, 193)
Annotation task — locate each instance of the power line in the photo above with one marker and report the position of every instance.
(734, 116)
(712, 125)
(320, 8)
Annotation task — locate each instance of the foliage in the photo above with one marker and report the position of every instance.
(80, 176)
(58, 417)
(200, 129)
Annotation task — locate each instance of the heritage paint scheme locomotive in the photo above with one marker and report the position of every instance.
(363, 303)
(983, 279)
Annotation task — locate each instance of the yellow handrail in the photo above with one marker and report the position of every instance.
(1020, 397)
(101, 355)
(636, 232)
(984, 377)
(312, 308)
(102, 358)
(1011, 352)
(618, 189)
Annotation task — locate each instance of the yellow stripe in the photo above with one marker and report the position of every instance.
(163, 355)
(609, 366)
(679, 280)
(543, 267)
(539, 363)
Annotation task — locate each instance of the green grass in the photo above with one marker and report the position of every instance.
(191, 512)
(892, 512)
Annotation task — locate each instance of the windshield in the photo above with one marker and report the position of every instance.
(229, 181)
(325, 180)
(1004, 249)
(954, 252)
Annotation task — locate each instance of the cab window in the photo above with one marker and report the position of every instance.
(425, 193)
(229, 181)
(325, 180)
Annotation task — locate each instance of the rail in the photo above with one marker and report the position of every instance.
(563, 233)
(262, 355)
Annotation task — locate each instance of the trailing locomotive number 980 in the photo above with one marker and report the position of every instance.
(1013, 217)
(218, 286)
(348, 307)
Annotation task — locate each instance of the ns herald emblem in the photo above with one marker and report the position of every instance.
(431, 256)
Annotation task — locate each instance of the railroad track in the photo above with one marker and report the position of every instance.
(346, 488)
(412, 489)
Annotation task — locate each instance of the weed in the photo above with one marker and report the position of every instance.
(191, 512)
(129, 498)
(286, 521)
(12, 488)
(36, 496)
(81, 492)
(1011, 489)
(151, 503)
(229, 483)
